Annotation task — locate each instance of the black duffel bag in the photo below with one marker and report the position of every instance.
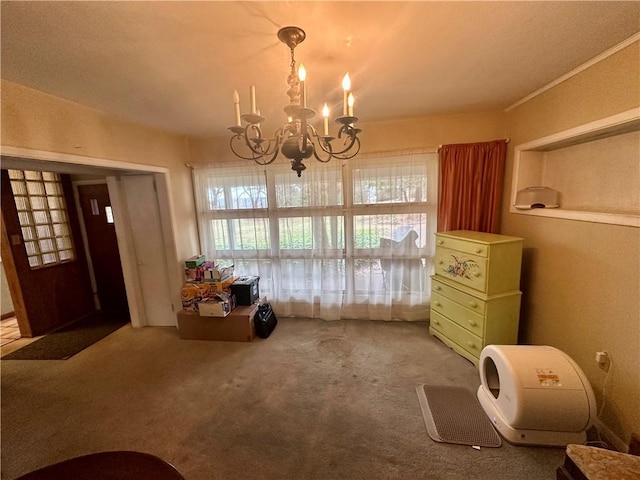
(265, 320)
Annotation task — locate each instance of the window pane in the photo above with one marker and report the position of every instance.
(65, 254)
(63, 242)
(317, 188)
(34, 262)
(18, 187)
(241, 234)
(52, 189)
(50, 176)
(58, 216)
(251, 234)
(371, 231)
(390, 184)
(54, 202)
(49, 258)
(40, 217)
(249, 196)
(30, 175)
(28, 233)
(311, 232)
(229, 189)
(23, 218)
(22, 203)
(44, 231)
(16, 174)
(35, 188)
(60, 229)
(220, 234)
(296, 233)
(38, 203)
(31, 248)
(46, 245)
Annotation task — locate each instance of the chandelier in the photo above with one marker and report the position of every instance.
(297, 139)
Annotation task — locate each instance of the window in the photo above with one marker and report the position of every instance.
(346, 236)
(43, 218)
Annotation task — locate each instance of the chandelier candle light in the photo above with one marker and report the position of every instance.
(297, 139)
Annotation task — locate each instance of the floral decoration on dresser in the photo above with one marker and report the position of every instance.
(461, 268)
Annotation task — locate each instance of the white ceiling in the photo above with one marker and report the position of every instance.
(174, 65)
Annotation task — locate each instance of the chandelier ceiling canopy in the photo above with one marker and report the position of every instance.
(297, 139)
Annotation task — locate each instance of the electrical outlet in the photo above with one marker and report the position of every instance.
(603, 360)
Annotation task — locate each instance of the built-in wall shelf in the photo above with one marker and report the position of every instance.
(595, 167)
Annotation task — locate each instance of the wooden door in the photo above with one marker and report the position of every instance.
(103, 247)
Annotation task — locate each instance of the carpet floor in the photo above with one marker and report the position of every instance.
(316, 400)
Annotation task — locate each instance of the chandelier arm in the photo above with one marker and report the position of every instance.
(320, 143)
(260, 160)
(238, 154)
(352, 139)
(257, 148)
(347, 153)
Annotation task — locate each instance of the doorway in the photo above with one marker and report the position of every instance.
(102, 243)
(124, 196)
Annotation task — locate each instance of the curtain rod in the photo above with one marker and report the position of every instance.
(507, 140)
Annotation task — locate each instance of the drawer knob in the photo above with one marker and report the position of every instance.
(478, 250)
(472, 323)
(437, 288)
(471, 344)
(477, 274)
(436, 322)
(473, 304)
(440, 242)
(436, 303)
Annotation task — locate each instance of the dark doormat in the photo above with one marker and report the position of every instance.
(66, 342)
(454, 415)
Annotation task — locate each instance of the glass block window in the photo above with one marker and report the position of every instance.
(43, 217)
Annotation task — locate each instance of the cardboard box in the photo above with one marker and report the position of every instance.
(218, 274)
(194, 275)
(194, 261)
(246, 290)
(236, 327)
(219, 305)
(192, 294)
(217, 287)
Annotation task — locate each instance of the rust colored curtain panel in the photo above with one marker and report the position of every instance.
(471, 177)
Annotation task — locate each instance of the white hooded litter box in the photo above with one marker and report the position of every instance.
(535, 395)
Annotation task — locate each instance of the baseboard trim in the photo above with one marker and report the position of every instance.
(615, 441)
(8, 315)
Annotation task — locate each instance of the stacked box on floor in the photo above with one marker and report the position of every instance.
(235, 327)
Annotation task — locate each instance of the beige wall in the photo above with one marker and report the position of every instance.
(38, 121)
(581, 280)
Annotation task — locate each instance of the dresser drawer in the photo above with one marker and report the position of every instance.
(465, 339)
(464, 268)
(462, 246)
(472, 321)
(469, 301)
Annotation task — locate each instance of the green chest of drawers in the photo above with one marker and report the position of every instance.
(475, 291)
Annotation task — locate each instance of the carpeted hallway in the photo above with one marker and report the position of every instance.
(317, 400)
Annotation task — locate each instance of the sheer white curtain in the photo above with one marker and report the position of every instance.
(350, 239)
